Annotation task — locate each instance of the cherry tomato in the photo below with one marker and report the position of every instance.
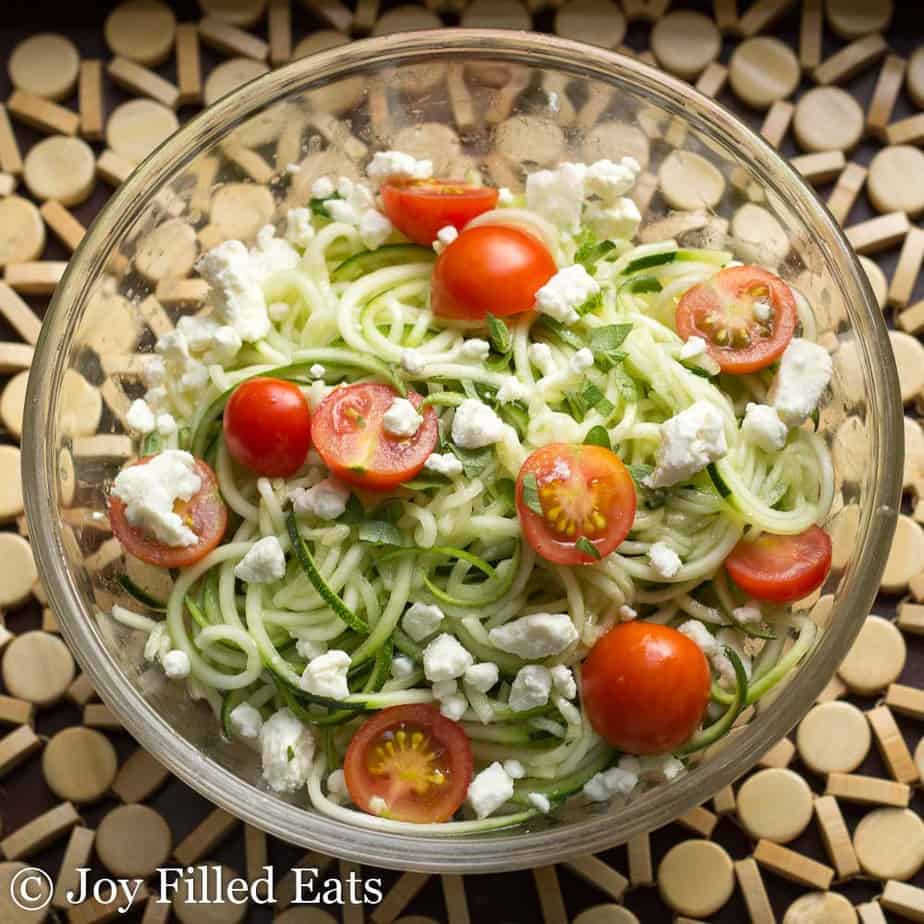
(204, 513)
(350, 436)
(268, 427)
(645, 687)
(420, 208)
(585, 493)
(490, 269)
(746, 315)
(415, 759)
(781, 569)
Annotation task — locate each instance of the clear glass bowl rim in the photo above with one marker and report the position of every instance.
(510, 850)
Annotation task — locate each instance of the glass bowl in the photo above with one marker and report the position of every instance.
(502, 103)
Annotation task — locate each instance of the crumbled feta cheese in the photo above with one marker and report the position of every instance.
(288, 752)
(535, 636)
(563, 681)
(326, 675)
(609, 180)
(762, 427)
(804, 373)
(748, 615)
(374, 228)
(309, 649)
(504, 196)
(671, 768)
(317, 371)
(264, 562)
(150, 490)
(386, 164)
(454, 706)
(665, 562)
(512, 389)
(475, 425)
(378, 806)
(246, 721)
(483, 676)
(689, 442)
(444, 688)
(693, 347)
(342, 210)
(444, 237)
(140, 417)
(540, 801)
(156, 397)
(762, 309)
(475, 349)
(299, 230)
(514, 769)
(613, 782)
(582, 360)
(558, 195)
(626, 613)
(445, 659)
(326, 500)
(413, 362)
(565, 292)
(401, 418)
(322, 188)
(158, 643)
(271, 255)
(176, 664)
(166, 424)
(154, 371)
(292, 169)
(697, 632)
(490, 790)
(237, 295)
(196, 376)
(540, 355)
(531, 688)
(421, 620)
(196, 331)
(173, 347)
(226, 344)
(336, 784)
(401, 667)
(444, 464)
(618, 221)
(278, 311)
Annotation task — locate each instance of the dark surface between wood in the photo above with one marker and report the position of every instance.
(494, 899)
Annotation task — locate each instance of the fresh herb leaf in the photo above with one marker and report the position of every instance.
(605, 343)
(290, 753)
(505, 489)
(593, 397)
(499, 334)
(432, 482)
(531, 493)
(558, 330)
(474, 461)
(652, 498)
(652, 259)
(583, 544)
(577, 406)
(515, 415)
(380, 532)
(639, 472)
(353, 513)
(597, 436)
(591, 304)
(590, 250)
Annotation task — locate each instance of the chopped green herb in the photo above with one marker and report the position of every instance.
(590, 250)
(558, 330)
(290, 753)
(584, 545)
(597, 436)
(605, 343)
(474, 461)
(593, 397)
(380, 532)
(505, 490)
(515, 415)
(591, 304)
(531, 493)
(499, 334)
(353, 513)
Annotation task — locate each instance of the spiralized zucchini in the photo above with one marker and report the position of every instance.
(461, 544)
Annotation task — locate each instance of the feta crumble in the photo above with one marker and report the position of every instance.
(531, 688)
(401, 418)
(454, 707)
(582, 360)
(512, 389)
(489, 790)
(618, 221)
(176, 664)
(563, 681)
(421, 620)
(444, 237)
(236, 294)
(558, 195)
(762, 427)
(299, 229)
(804, 373)
(401, 667)
(482, 677)
(445, 659)
(665, 562)
(288, 752)
(378, 806)
(322, 188)
(540, 355)
(609, 181)
(475, 348)
(475, 425)
(140, 417)
(613, 782)
(374, 229)
(689, 442)
(444, 464)
(627, 613)
(514, 769)
(326, 500)
(538, 635)
(387, 164)
(326, 675)
(246, 721)
(540, 801)
(264, 562)
(565, 292)
(149, 492)
(413, 362)
(692, 348)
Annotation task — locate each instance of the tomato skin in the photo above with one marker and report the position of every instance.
(267, 427)
(350, 437)
(206, 515)
(492, 269)
(645, 687)
(781, 569)
(420, 209)
(718, 296)
(444, 739)
(597, 474)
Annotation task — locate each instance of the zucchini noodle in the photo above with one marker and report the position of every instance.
(353, 315)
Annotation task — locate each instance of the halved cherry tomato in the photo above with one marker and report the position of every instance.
(721, 310)
(204, 513)
(419, 208)
(267, 427)
(645, 687)
(781, 569)
(492, 269)
(350, 436)
(416, 760)
(585, 493)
